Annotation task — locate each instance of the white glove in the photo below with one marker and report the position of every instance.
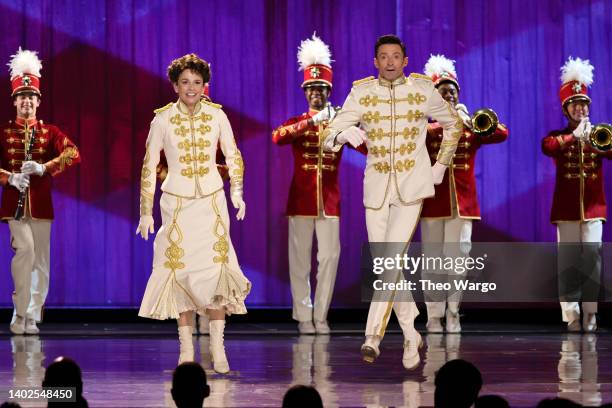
(327, 114)
(437, 171)
(32, 168)
(238, 202)
(19, 181)
(583, 130)
(352, 135)
(464, 115)
(146, 226)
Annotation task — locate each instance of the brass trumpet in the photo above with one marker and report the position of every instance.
(484, 122)
(601, 137)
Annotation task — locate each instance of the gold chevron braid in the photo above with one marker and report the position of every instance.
(163, 108)
(363, 81)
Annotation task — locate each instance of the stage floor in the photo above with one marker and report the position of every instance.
(131, 365)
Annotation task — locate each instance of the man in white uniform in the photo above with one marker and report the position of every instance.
(391, 112)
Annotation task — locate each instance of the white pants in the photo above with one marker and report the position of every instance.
(30, 240)
(454, 231)
(394, 222)
(301, 231)
(575, 232)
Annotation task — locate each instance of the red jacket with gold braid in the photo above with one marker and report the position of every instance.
(314, 172)
(52, 148)
(579, 192)
(460, 173)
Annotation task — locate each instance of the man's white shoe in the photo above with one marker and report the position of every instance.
(17, 325)
(411, 357)
(321, 327)
(306, 327)
(574, 325)
(30, 327)
(589, 322)
(369, 349)
(452, 322)
(434, 325)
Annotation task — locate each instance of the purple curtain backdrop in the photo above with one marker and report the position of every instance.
(104, 73)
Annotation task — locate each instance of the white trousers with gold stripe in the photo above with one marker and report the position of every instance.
(30, 240)
(301, 233)
(575, 232)
(394, 222)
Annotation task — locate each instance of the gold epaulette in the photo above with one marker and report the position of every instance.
(363, 81)
(209, 103)
(416, 75)
(163, 108)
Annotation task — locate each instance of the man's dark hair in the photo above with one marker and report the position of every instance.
(389, 39)
(65, 372)
(302, 396)
(189, 387)
(458, 383)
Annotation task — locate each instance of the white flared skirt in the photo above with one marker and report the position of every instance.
(194, 262)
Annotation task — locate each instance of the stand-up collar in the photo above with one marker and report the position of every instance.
(185, 110)
(22, 122)
(399, 81)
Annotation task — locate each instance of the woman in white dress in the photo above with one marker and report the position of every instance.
(195, 268)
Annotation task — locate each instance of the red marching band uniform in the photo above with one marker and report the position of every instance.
(460, 174)
(51, 148)
(447, 217)
(51, 153)
(579, 203)
(313, 206)
(315, 173)
(579, 191)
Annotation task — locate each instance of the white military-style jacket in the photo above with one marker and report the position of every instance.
(190, 144)
(394, 116)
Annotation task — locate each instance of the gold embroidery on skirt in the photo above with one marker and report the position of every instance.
(221, 246)
(174, 252)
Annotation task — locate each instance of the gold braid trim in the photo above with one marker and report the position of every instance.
(448, 147)
(146, 197)
(174, 252)
(222, 245)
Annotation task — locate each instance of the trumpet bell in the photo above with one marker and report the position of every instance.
(484, 122)
(601, 137)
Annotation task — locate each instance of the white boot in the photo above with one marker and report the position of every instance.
(217, 349)
(186, 344)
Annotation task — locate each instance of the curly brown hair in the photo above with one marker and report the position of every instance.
(191, 62)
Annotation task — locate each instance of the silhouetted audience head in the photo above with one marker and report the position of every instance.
(302, 396)
(189, 387)
(65, 372)
(458, 383)
(10, 405)
(558, 403)
(491, 401)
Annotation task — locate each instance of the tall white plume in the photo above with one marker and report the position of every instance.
(313, 51)
(24, 62)
(577, 70)
(437, 64)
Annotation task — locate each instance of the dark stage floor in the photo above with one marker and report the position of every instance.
(131, 364)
